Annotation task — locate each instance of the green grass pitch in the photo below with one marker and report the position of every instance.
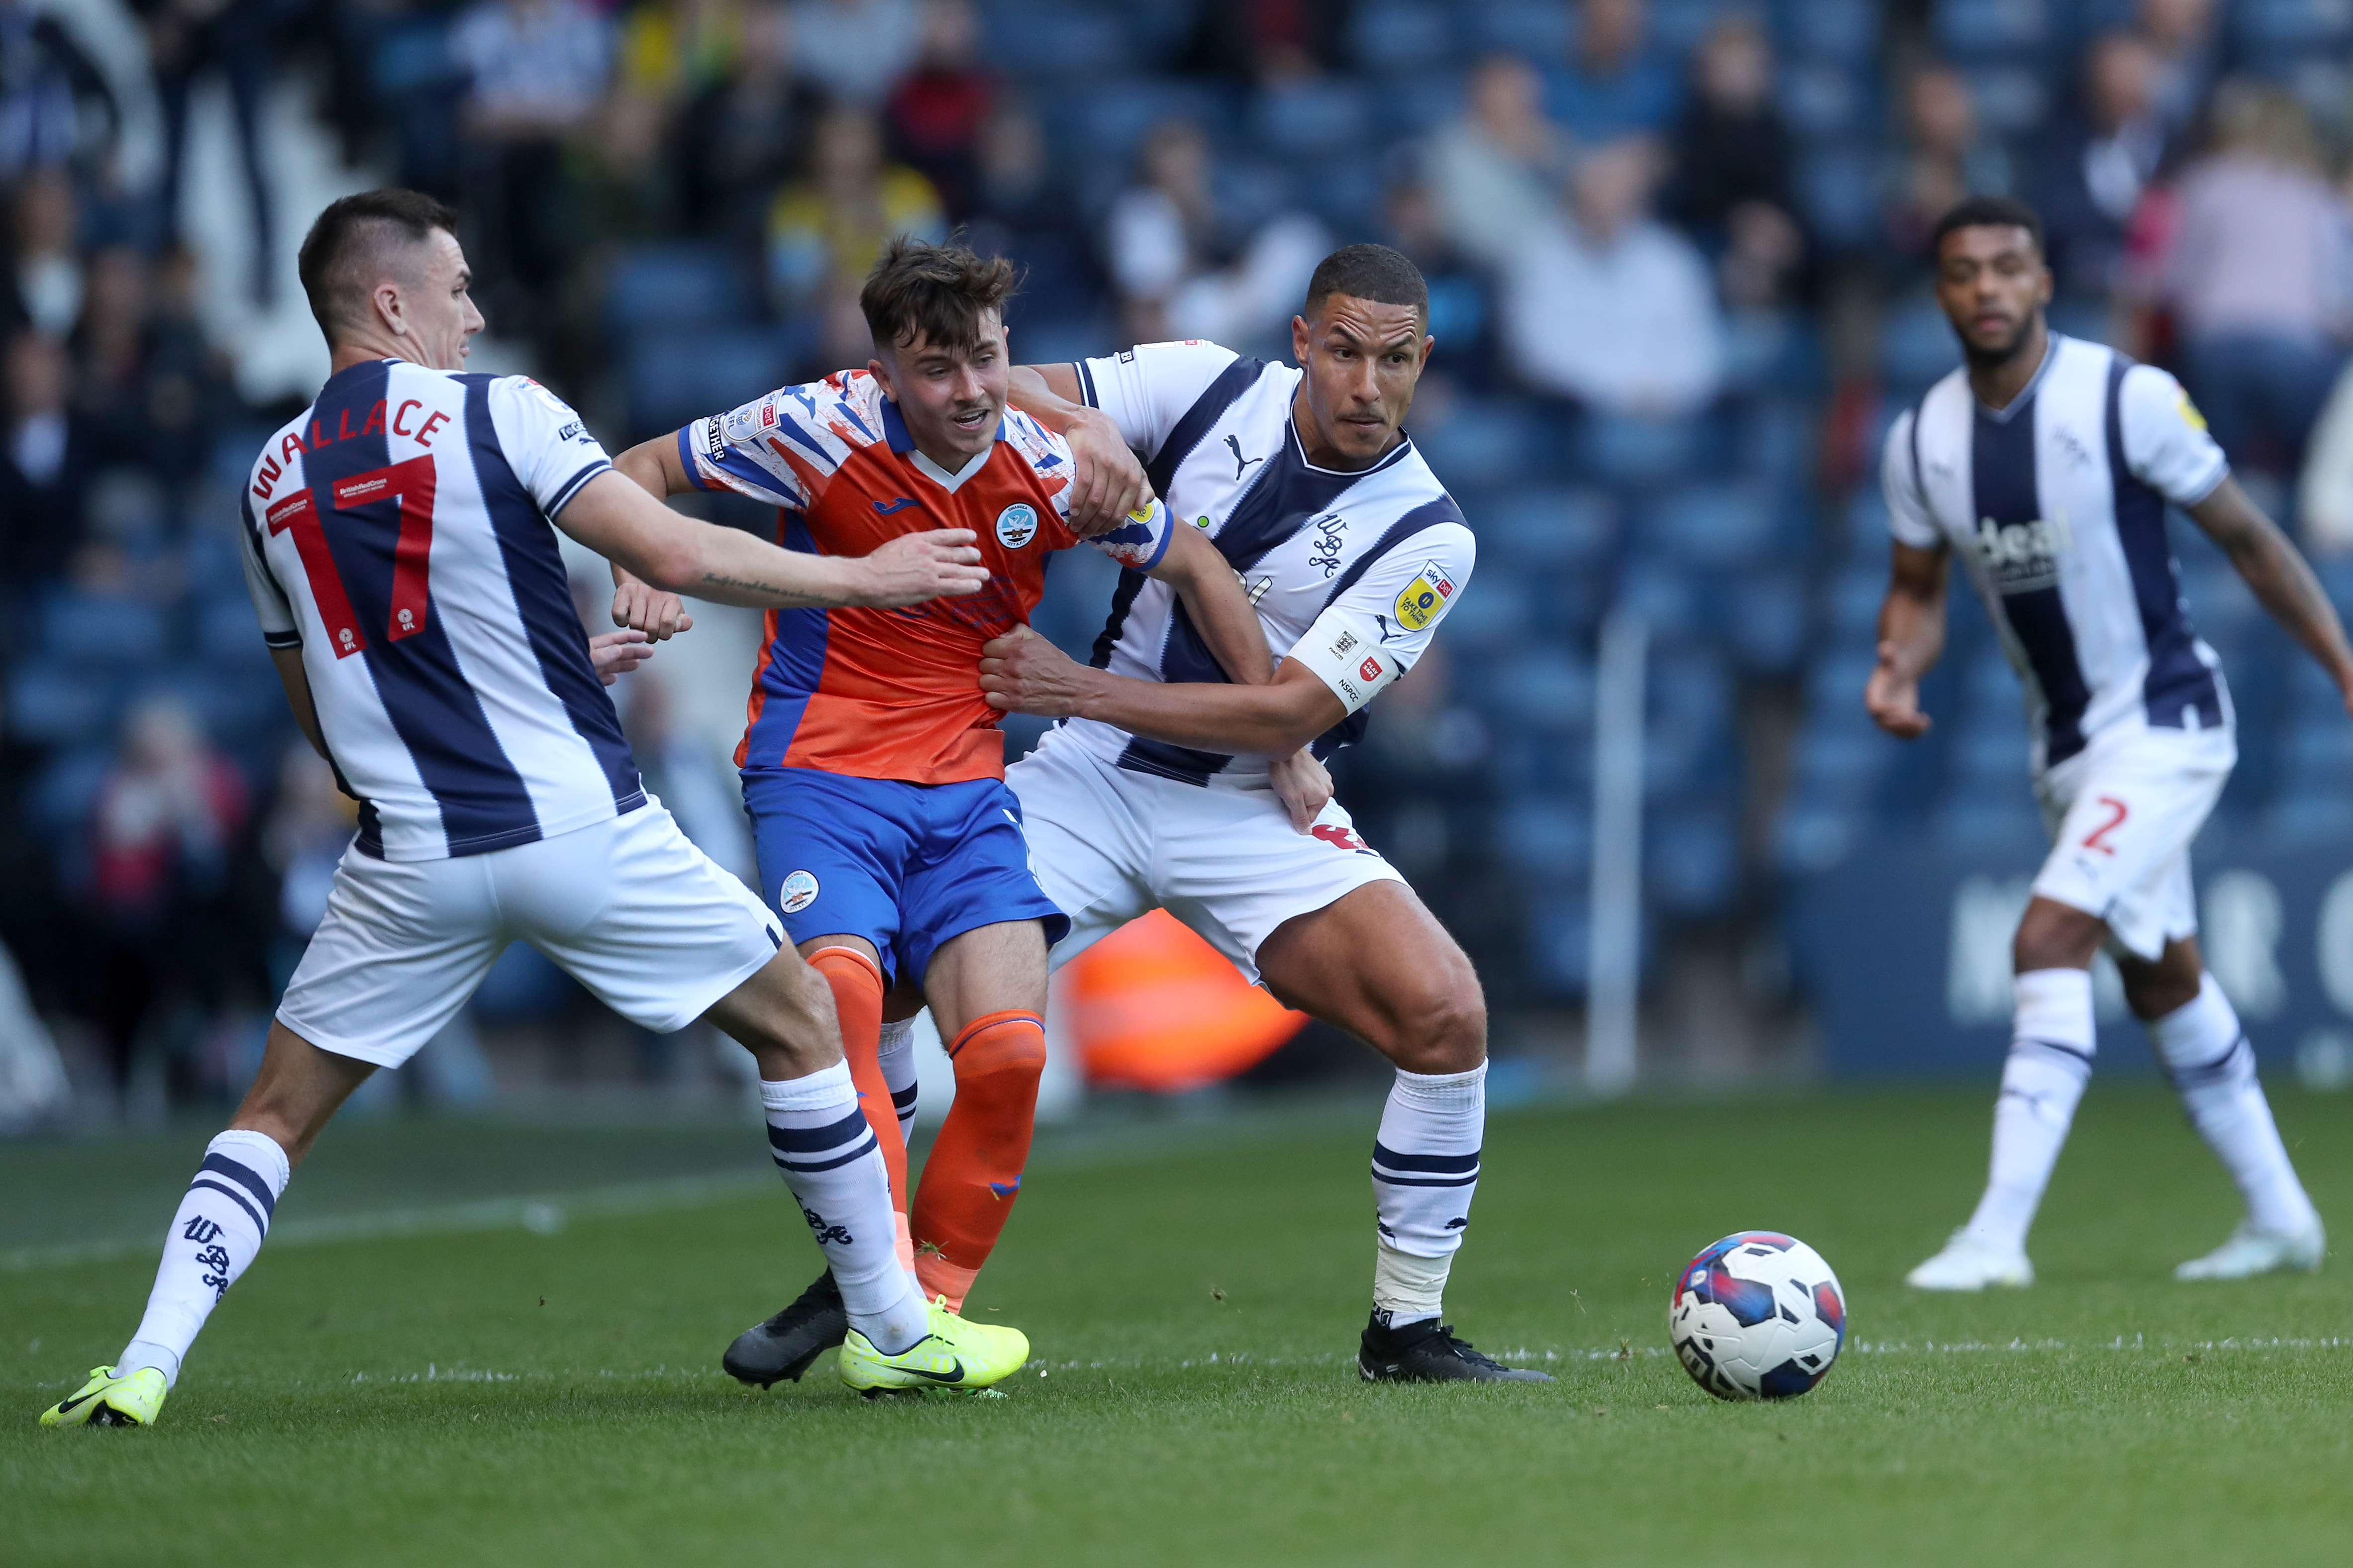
(511, 1397)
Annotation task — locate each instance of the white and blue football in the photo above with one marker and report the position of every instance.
(1757, 1316)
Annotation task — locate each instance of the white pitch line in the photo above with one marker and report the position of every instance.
(544, 1215)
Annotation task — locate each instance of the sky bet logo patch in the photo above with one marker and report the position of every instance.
(1424, 597)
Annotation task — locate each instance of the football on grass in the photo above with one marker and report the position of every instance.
(1757, 1316)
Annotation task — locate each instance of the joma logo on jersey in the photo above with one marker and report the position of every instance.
(2023, 557)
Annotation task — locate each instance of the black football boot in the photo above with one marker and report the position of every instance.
(1430, 1351)
(783, 1347)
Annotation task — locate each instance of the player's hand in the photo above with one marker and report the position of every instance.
(643, 607)
(1022, 672)
(615, 654)
(941, 564)
(1108, 482)
(1893, 697)
(1303, 785)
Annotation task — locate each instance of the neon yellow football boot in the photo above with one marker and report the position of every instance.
(958, 1356)
(107, 1400)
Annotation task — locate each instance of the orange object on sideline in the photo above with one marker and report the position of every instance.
(1154, 1006)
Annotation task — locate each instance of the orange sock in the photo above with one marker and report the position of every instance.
(856, 983)
(973, 1170)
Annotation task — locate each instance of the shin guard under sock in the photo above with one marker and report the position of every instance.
(856, 982)
(974, 1169)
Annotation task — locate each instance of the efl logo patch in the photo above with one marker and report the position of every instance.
(1016, 525)
(2190, 415)
(798, 892)
(1424, 597)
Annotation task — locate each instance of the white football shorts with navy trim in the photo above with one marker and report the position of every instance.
(2121, 815)
(627, 907)
(1109, 844)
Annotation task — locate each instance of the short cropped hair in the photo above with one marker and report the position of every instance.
(347, 248)
(1987, 212)
(1372, 272)
(939, 292)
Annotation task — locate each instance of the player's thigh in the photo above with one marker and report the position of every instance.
(1230, 865)
(1378, 963)
(833, 851)
(635, 912)
(1087, 847)
(403, 945)
(2120, 851)
(989, 969)
(971, 869)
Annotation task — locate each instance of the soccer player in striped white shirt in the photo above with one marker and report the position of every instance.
(2046, 464)
(399, 552)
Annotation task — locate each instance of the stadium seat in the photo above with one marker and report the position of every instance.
(1402, 36)
(1546, 840)
(1105, 120)
(1636, 449)
(1543, 689)
(227, 636)
(2011, 99)
(1710, 525)
(1537, 30)
(65, 789)
(1982, 30)
(1670, 599)
(1494, 617)
(1917, 347)
(1690, 854)
(58, 702)
(105, 630)
(1825, 100)
(1542, 530)
(1312, 118)
(2000, 824)
(1675, 26)
(2292, 25)
(1488, 443)
(675, 377)
(666, 288)
(1028, 38)
(1844, 31)
(1849, 604)
(1763, 615)
(1838, 193)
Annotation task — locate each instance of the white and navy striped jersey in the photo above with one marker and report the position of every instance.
(1215, 435)
(398, 533)
(2056, 504)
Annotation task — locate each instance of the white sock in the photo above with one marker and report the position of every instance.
(2213, 1069)
(898, 1055)
(2049, 1062)
(834, 1168)
(1425, 1171)
(213, 1238)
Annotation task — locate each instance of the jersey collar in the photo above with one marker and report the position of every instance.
(1394, 455)
(895, 431)
(2003, 415)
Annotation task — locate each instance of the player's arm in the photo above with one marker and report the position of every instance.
(1109, 481)
(617, 517)
(1024, 673)
(1221, 611)
(2279, 576)
(637, 604)
(297, 681)
(1911, 637)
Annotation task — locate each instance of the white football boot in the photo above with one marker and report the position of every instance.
(1968, 1264)
(2250, 1252)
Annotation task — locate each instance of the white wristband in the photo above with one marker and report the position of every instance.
(1344, 649)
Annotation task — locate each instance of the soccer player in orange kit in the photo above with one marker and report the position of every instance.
(873, 765)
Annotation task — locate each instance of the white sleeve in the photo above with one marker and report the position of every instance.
(547, 444)
(773, 449)
(270, 606)
(2166, 444)
(1146, 389)
(1907, 506)
(1374, 630)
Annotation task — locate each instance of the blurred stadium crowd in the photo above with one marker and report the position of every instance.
(1678, 286)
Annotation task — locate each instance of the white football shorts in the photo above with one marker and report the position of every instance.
(2121, 815)
(1108, 844)
(627, 907)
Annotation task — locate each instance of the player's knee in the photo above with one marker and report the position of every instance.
(2050, 935)
(1006, 1048)
(1443, 1029)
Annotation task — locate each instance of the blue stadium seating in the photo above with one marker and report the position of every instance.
(1983, 30)
(1845, 32)
(1402, 36)
(666, 288)
(678, 376)
(108, 632)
